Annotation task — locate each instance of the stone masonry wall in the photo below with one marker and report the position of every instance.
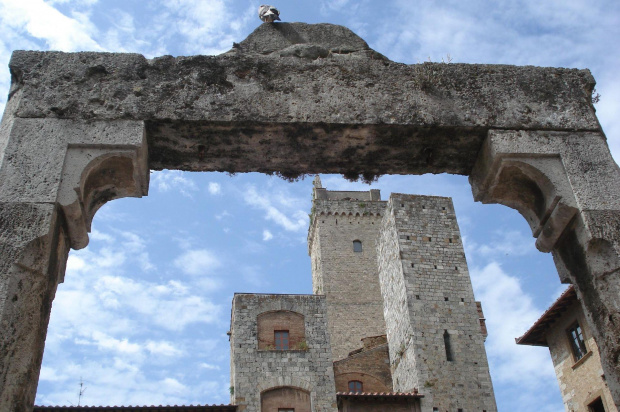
(255, 371)
(349, 279)
(405, 374)
(580, 382)
(420, 246)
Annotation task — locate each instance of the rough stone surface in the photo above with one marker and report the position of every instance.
(33, 254)
(311, 98)
(431, 315)
(254, 372)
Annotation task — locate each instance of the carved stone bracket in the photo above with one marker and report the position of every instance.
(77, 164)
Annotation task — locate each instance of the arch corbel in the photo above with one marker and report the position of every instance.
(107, 173)
(536, 185)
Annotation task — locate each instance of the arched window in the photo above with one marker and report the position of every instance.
(285, 399)
(355, 386)
(357, 246)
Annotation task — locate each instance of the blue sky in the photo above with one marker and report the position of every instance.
(143, 313)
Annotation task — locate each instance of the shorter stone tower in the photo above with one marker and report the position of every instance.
(280, 357)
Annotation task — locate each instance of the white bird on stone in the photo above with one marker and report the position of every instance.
(268, 14)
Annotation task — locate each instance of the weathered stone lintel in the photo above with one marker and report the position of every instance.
(245, 85)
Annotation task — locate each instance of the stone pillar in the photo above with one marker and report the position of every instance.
(54, 175)
(567, 186)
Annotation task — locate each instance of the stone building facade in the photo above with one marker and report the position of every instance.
(575, 355)
(267, 378)
(392, 324)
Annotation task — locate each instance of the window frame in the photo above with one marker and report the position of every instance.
(357, 244)
(281, 339)
(355, 385)
(596, 405)
(576, 341)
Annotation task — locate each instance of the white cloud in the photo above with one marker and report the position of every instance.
(507, 243)
(163, 348)
(39, 19)
(295, 222)
(209, 366)
(197, 262)
(267, 235)
(172, 385)
(215, 188)
(51, 374)
(104, 341)
(205, 31)
(223, 215)
(173, 180)
(509, 312)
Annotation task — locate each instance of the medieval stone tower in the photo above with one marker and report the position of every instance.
(392, 323)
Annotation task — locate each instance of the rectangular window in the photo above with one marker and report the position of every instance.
(286, 410)
(596, 406)
(357, 246)
(448, 346)
(281, 338)
(577, 343)
(355, 386)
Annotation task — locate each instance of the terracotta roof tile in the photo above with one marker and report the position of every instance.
(374, 395)
(152, 408)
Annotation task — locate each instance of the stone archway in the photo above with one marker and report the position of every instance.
(83, 128)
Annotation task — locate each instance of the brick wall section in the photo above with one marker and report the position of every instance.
(580, 382)
(369, 366)
(372, 341)
(290, 398)
(420, 248)
(255, 371)
(482, 320)
(349, 280)
(269, 322)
